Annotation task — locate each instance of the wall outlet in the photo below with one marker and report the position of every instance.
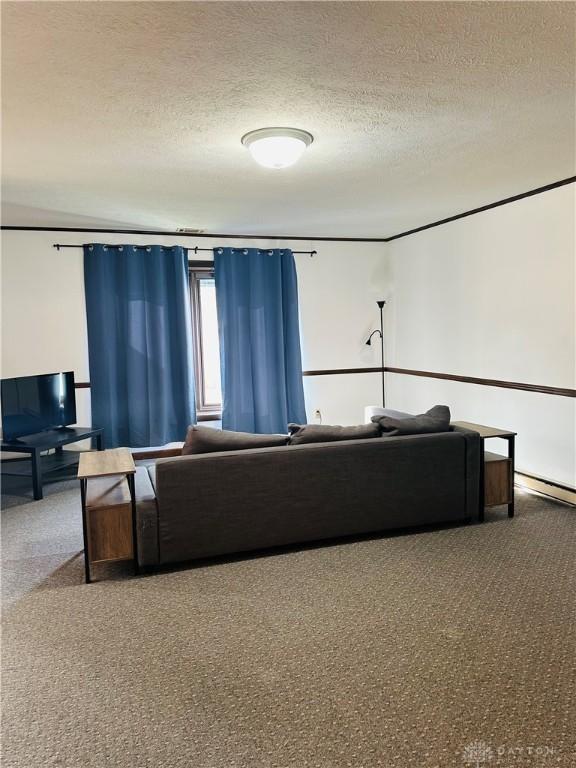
(318, 416)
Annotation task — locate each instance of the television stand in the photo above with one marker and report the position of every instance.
(34, 445)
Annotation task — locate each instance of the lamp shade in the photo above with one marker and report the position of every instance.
(277, 147)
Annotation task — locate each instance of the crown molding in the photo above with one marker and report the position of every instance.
(315, 238)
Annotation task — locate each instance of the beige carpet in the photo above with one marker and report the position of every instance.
(452, 647)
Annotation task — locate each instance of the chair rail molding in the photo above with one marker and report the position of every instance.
(520, 385)
(523, 386)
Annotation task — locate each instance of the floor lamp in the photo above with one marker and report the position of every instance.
(369, 343)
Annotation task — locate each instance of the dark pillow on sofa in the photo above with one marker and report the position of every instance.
(324, 433)
(437, 419)
(392, 414)
(207, 440)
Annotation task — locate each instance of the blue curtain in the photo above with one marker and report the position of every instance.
(261, 365)
(139, 343)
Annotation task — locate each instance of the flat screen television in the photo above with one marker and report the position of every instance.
(32, 404)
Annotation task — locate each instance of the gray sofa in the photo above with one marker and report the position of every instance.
(221, 503)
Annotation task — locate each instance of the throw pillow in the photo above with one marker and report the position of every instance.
(207, 440)
(381, 412)
(437, 419)
(324, 433)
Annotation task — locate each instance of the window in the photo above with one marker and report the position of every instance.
(206, 342)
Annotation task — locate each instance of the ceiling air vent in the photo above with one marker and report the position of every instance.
(190, 230)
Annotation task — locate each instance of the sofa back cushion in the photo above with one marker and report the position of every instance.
(236, 501)
(437, 419)
(207, 440)
(325, 433)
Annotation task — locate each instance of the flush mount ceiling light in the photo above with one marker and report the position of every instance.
(277, 147)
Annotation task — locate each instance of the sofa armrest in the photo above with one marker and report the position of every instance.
(146, 518)
(472, 440)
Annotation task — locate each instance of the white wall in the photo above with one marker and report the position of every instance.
(44, 319)
(338, 292)
(492, 296)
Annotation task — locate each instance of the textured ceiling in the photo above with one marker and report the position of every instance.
(132, 113)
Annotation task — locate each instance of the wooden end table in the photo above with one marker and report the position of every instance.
(108, 507)
(496, 472)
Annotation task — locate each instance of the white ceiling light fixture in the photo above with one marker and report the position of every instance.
(277, 147)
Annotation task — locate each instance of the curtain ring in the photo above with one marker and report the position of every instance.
(313, 253)
(148, 249)
(270, 253)
(220, 251)
(120, 247)
(90, 247)
(245, 251)
(105, 248)
(195, 250)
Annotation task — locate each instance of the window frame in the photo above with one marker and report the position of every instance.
(197, 271)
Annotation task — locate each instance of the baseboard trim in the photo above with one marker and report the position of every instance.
(546, 487)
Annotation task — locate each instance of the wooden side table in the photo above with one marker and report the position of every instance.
(496, 472)
(108, 507)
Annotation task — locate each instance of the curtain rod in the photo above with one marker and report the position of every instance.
(188, 250)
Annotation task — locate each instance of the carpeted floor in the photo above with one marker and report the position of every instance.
(450, 647)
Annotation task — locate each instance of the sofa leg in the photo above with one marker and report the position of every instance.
(146, 570)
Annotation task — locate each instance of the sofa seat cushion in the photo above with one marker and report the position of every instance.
(437, 419)
(326, 433)
(207, 440)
